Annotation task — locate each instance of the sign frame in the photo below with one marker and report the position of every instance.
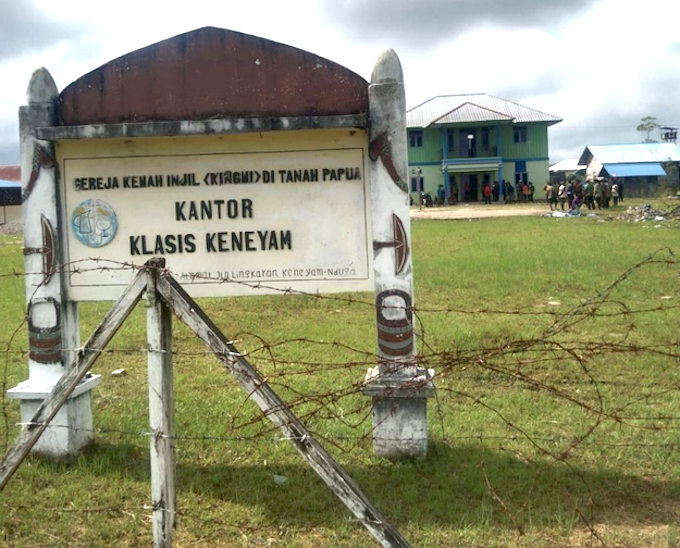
(239, 85)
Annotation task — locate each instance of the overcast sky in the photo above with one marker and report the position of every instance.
(601, 65)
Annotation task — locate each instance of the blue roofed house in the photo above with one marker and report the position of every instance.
(10, 193)
(643, 167)
(466, 141)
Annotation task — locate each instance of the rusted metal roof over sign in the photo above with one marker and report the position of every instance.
(212, 73)
(10, 173)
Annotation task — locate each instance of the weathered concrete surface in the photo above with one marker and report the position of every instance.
(212, 73)
(397, 386)
(53, 332)
(183, 128)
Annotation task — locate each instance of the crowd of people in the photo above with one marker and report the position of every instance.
(521, 192)
(571, 195)
(567, 195)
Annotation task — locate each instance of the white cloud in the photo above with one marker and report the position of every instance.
(599, 64)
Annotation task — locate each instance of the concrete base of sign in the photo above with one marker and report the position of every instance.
(71, 428)
(400, 413)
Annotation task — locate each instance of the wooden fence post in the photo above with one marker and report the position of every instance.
(275, 409)
(161, 410)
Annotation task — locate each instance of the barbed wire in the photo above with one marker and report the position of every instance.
(522, 363)
(599, 299)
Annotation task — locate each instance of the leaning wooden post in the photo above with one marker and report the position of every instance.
(399, 388)
(53, 332)
(161, 410)
(275, 409)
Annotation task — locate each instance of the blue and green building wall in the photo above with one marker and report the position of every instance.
(463, 157)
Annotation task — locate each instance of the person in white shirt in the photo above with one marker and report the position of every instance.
(562, 195)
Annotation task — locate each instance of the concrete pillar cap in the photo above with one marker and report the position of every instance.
(387, 69)
(41, 88)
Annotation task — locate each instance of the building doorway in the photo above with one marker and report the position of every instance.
(453, 191)
(474, 188)
(470, 187)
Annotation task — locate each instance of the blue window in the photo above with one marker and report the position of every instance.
(485, 138)
(415, 137)
(519, 134)
(450, 139)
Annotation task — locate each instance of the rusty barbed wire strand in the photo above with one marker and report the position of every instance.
(69, 268)
(520, 362)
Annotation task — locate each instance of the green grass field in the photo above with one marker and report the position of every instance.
(557, 417)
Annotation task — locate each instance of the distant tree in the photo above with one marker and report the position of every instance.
(647, 125)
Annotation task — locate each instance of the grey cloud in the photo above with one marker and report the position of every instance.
(659, 98)
(523, 90)
(568, 140)
(9, 153)
(24, 29)
(608, 126)
(608, 122)
(9, 141)
(430, 22)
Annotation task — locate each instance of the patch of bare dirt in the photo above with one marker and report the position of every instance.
(479, 211)
(623, 536)
(13, 227)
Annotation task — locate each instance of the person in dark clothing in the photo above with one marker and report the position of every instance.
(440, 195)
(578, 189)
(570, 192)
(588, 195)
(508, 191)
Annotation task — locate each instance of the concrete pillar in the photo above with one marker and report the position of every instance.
(398, 387)
(53, 331)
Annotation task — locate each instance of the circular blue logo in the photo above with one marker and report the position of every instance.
(94, 223)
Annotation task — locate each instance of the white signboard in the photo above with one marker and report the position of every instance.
(230, 213)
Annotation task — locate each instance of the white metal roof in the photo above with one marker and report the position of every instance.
(469, 112)
(473, 107)
(630, 154)
(566, 165)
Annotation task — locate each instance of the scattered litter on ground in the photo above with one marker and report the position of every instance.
(13, 227)
(554, 302)
(646, 212)
(559, 214)
(118, 373)
(280, 480)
